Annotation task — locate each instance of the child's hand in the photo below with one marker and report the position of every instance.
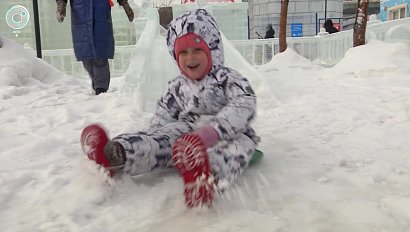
(208, 135)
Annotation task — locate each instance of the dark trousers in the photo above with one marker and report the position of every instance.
(99, 71)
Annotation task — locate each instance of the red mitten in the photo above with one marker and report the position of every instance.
(191, 160)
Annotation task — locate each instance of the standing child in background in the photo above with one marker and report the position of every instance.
(93, 37)
(202, 123)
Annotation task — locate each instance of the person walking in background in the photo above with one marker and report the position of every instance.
(93, 37)
(329, 27)
(270, 33)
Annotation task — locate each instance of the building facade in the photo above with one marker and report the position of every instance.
(304, 16)
(350, 7)
(394, 9)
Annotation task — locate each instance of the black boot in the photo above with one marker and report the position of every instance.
(115, 154)
(100, 90)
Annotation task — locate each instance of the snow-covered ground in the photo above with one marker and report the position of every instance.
(336, 144)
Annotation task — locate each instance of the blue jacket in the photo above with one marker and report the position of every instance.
(92, 31)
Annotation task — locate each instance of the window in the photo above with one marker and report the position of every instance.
(403, 13)
(398, 12)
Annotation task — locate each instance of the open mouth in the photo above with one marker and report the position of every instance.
(193, 67)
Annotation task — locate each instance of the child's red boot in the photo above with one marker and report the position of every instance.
(191, 160)
(108, 154)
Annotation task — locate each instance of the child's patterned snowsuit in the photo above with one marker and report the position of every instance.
(223, 99)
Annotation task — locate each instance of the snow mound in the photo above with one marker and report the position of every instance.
(19, 67)
(288, 59)
(374, 59)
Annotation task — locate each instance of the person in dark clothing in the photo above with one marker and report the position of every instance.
(329, 27)
(270, 33)
(93, 36)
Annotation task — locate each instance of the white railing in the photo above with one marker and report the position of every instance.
(324, 50)
(65, 61)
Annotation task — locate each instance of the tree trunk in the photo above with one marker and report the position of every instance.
(282, 24)
(359, 31)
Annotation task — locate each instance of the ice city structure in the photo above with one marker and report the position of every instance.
(141, 44)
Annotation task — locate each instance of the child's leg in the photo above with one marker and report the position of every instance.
(149, 151)
(229, 158)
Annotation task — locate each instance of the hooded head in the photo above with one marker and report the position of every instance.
(328, 23)
(196, 29)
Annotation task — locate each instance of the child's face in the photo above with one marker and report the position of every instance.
(194, 62)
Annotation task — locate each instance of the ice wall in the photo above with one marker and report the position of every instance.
(56, 35)
(231, 17)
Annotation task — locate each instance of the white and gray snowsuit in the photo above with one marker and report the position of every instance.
(223, 99)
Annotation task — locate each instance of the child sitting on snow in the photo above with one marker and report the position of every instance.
(202, 123)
